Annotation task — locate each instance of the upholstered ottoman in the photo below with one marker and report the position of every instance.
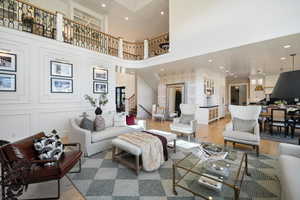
(118, 144)
(124, 146)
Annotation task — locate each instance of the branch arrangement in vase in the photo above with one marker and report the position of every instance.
(97, 102)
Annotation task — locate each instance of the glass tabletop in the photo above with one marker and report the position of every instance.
(228, 171)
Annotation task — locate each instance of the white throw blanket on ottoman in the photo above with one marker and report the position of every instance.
(151, 146)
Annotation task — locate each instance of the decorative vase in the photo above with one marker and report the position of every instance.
(98, 111)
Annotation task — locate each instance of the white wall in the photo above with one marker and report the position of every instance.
(33, 108)
(126, 80)
(146, 97)
(198, 27)
(194, 87)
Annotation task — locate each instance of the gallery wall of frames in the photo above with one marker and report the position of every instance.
(43, 83)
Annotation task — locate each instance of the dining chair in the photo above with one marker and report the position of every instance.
(295, 122)
(279, 120)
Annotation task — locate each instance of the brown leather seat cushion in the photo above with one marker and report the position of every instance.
(43, 173)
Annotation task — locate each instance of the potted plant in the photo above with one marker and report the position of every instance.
(97, 102)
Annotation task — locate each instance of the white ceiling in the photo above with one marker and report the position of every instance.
(145, 20)
(242, 61)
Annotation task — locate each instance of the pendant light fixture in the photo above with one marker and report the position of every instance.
(288, 84)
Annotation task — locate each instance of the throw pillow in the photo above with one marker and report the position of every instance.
(119, 120)
(243, 125)
(87, 124)
(99, 123)
(49, 148)
(186, 119)
(130, 120)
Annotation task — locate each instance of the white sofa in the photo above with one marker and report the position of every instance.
(94, 142)
(289, 163)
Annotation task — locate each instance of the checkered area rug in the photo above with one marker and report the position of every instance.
(103, 179)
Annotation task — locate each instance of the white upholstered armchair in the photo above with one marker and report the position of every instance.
(244, 127)
(186, 123)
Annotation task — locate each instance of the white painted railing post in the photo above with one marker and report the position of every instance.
(146, 49)
(120, 48)
(59, 26)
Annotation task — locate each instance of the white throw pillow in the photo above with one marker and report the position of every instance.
(119, 120)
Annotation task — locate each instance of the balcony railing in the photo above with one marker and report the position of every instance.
(24, 16)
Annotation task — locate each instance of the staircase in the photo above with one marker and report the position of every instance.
(132, 106)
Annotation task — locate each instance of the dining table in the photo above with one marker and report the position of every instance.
(290, 116)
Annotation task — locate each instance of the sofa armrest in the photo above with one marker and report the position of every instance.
(289, 149)
(141, 123)
(176, 120)
(229, 126)
(193, 124)
(79, 135)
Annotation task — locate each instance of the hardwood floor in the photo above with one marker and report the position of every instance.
(214, 133)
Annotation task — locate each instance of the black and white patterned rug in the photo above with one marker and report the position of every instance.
(103, 179)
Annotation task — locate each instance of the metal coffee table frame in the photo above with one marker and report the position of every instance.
(236, 187)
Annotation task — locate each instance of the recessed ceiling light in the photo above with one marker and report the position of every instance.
(282, 58)
(287, 46)
(210, 60)
(126, 18)
(162, 12)
(221, 67)
(103, 5)
(226, 71)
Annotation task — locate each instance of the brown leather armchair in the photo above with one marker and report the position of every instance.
(22, 167)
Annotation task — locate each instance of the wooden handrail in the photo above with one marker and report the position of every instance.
(145, 109)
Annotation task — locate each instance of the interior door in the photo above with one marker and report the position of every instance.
(238, 95)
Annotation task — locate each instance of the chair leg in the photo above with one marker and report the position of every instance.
(174, 146)
(137, 161)
(257, 151)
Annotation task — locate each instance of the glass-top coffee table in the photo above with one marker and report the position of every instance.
(211, 179)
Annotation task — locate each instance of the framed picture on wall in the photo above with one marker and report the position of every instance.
(8, 82)
(61, 69)
(100, 87)
(8, 62)
(59, 85)
(100, 74)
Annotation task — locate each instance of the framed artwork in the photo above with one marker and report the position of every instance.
(100, 74)
(100, 87)
(8, 62)
(8, 82)
(59, 85)
(61, 69)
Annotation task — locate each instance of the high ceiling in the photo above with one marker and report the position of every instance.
(265, 58)
(144, 17)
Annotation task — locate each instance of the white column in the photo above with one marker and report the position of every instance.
(120, 48)
(59, 27)
(146, 49)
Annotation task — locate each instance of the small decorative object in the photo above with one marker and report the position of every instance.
(97, 102)
(8, 62)
(61, 69)
(61, 85)
(100, 74)
(259, 88)
(281, 103)
(208, 182)
(100, 87)
(7, 82)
